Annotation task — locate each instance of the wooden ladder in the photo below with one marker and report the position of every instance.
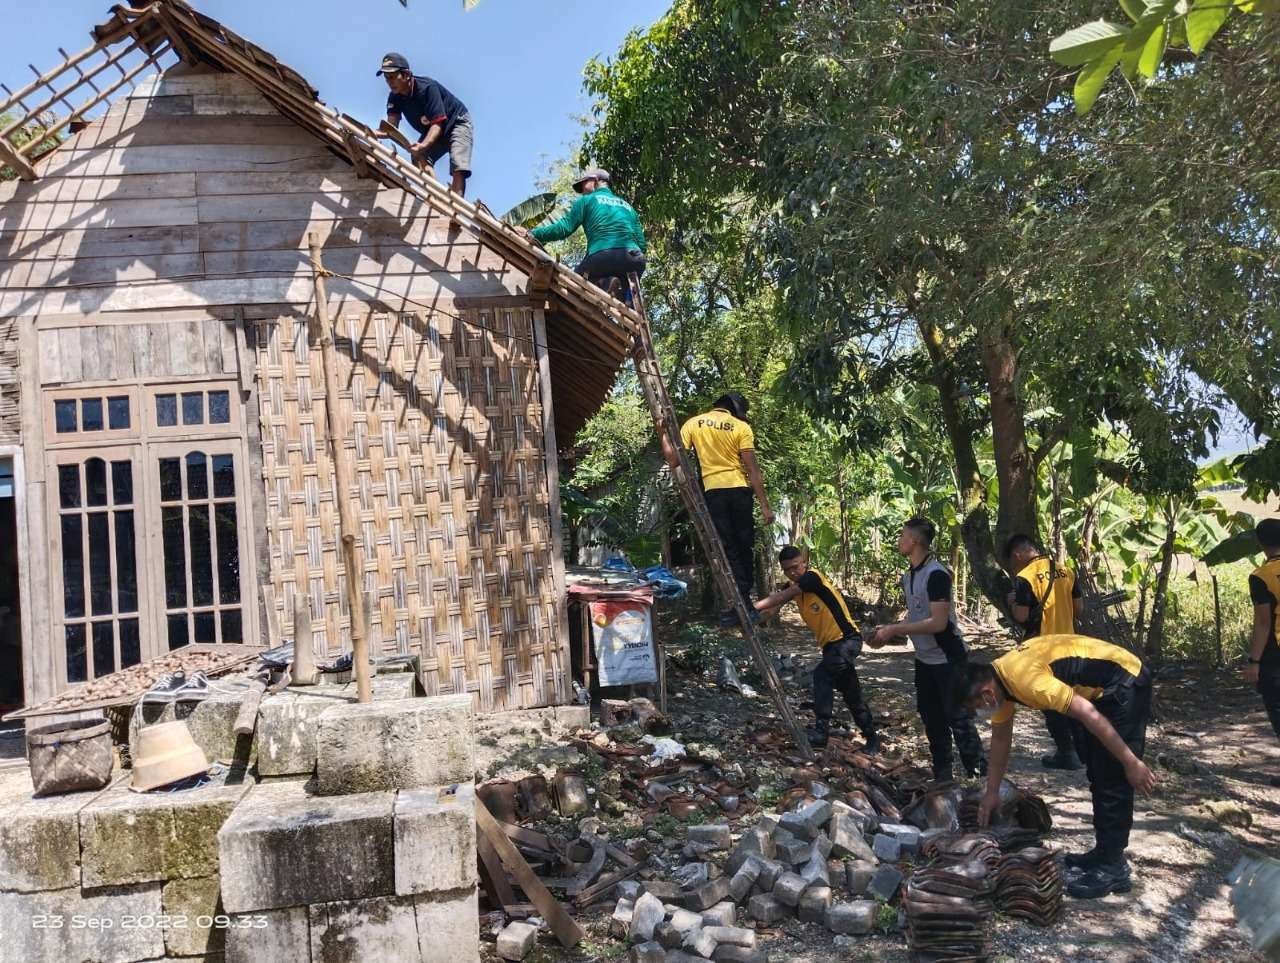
(664, 414)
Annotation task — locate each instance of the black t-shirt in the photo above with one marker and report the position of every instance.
(428, 104)
(1259, 594)
(938, 588)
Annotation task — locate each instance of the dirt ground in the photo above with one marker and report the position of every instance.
(1210, 742)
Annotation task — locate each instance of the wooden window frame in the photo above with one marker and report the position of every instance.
(155, 556)
(158, 432)
(81, 438)
(79, 456)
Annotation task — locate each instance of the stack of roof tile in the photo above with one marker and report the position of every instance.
(949, 912)
(949, 849)
(1029, 885)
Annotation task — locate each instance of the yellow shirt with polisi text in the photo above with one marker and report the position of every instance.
(1052, 587)
(1047, 671)
(823, 608)
(719, 439)
(1268, 573)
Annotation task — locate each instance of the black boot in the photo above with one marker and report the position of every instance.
(1109, 875)
(1083, 860)
(819, 733)
(872, 747)
(1062, 760)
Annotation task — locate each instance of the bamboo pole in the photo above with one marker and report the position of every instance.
(341, 479)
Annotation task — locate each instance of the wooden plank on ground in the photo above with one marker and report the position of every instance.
(493, 875)
(568, 932)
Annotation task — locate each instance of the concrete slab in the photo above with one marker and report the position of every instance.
(128, 837)
(39, 838)
(38, 927)
(273, 936)
(448, 927)
(189, 903)
(403, 744)
(282, 847)
(364, 931)
(435, 840)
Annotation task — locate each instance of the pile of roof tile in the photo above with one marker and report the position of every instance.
(1029, 886)
(949, 911)
(948, 849)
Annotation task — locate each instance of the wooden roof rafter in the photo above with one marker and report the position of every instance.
(173, 29)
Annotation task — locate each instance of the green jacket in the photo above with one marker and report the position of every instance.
(607, 219)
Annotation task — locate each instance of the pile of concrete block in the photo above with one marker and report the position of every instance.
(113, 875)
(824, 861)
(373, 860)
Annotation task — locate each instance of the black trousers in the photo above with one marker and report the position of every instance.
(733, 513)
(835, 674)
(1269, 688)
(614, 262)
(1127, 709)
(1063, 732)
(945, 721)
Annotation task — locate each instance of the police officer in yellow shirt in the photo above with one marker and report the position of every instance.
(1263, 667)
(725, 445)
(825, 612)
(1107, 690)
(1046, 600)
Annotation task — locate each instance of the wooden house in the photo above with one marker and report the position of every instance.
(165, 464)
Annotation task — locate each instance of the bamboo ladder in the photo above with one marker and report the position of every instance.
(664, 415)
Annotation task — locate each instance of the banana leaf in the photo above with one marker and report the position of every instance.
(531, 212)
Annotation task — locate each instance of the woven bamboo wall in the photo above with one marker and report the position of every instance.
(442, 418)
(10, 418)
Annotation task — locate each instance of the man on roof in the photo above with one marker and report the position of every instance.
(826, 613)
(615, 240)
(1046, 600)
(725, 445)
(1107, 690)
(441, 119)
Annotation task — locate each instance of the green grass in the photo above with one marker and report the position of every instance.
(1190, 633)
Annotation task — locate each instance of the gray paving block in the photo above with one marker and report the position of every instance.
(39, 838)
(435, 840)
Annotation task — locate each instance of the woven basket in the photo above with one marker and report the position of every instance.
(70, 756)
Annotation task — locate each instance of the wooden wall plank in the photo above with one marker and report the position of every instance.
(170, 132)
(99, 242)
(126, 367)
(424, 289)
(10, 382)
(301, 182)
(69, 346)
(171, 84)
(68, 190)
(212, 331)
(50, 354)
(430, 230)
(214, 105)
(190, 158)
(83, 271)
(156, 212)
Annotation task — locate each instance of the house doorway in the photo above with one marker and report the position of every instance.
(11, 682)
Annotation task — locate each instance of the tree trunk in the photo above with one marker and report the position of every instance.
(1015, 473)
(975, 527)
(1154, 647)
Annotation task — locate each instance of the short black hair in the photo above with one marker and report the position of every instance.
(969, 680)
(922, 527)
(1268, 533)
(789, 552)
(1018, 541)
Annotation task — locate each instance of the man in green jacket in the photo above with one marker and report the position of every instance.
(615, 239)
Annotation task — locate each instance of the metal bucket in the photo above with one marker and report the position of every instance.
(70, 756)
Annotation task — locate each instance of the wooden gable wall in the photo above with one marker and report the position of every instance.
(169, 241)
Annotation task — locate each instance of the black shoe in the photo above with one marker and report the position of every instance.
(728, 618)
(1059, 760)
(872, 747)
(1083, 860)
(818, 736)
(1101, 880)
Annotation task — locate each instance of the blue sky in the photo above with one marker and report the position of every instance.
(516, 64)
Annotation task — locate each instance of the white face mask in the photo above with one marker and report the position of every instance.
(985, 712)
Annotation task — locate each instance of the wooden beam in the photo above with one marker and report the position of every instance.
(357, 156)
(341, 481)
(494, 876)
(568, 932)
(15, 160)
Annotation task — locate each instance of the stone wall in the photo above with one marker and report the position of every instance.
(267, 871)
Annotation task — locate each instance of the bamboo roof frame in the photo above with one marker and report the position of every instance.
(174, 29)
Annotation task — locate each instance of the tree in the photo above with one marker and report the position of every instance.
(1160, 31)
(922, 208)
